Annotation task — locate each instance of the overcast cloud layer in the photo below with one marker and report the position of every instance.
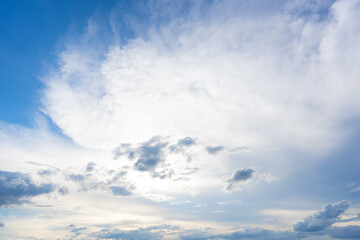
(193, 120)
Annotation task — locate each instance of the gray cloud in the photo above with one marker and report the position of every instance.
(182, 144)
(112, 181)
(120, 191)
(151, 153)
(63, 190)
(16, 188)
(124, 150)
(76, 177)
(162, 232)
(2, 224)
(150, 156)
(323, 219)
(257, 233)
(43, 172)
(163, 174)
(118, 175)
(90, 167)
(214, 150)
(188, 141)
(175, 232)
(239, 175)
(348, 232)
(86, 182)
(76, 230)
(154, 232)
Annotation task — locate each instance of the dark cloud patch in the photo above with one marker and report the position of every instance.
(155, 156)
(134, 234)
(259, 234)
(323, 219)
(2, 224)
(63, 190)
(76, 177)
(147, 155)
(123, 150)
(166, 173)
(239, 175)
(214, 150)
(90, 167)
(182, 144)
(147, 163)
(118, 175)
(131, 155)
(151, 154)
(43, 206)
(120, 191)
(187, 142)
(348, 232)
(16, 188)
(76, 230)
(174, 232)
(149, 233)
(256, 234)
(106, 180)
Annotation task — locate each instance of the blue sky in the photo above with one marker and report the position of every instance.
(179, 119)
(31, 32)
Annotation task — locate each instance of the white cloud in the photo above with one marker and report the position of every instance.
(278, 80)
(283, 79)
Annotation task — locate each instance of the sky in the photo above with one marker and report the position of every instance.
(157, 119)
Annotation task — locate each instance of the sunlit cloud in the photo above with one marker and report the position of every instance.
(192, 120)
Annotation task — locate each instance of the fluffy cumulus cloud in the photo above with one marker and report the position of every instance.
(155, 156)
(322, 223)
(17, 188)
(269, 78)
(323, 219)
